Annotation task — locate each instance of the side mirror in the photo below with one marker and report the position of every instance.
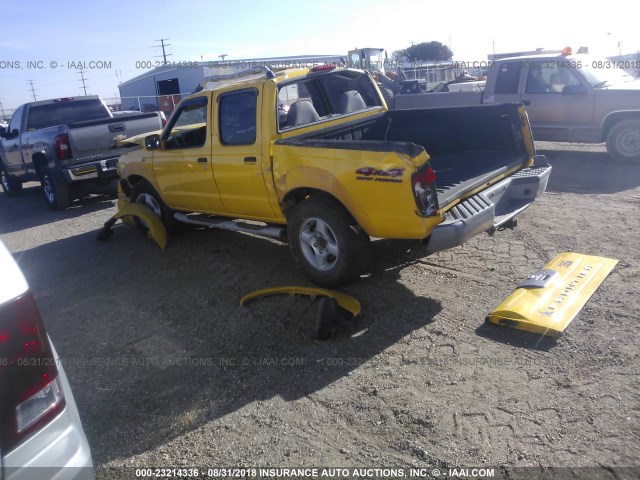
(15, 133)
(152, 142)
(574, 90)
(3, 132)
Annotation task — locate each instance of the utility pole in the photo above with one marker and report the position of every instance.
(164, 54)
(2, 110)
(33, 90)
(84, 87)
(223, 56)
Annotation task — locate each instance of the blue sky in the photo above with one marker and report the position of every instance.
(116, 36)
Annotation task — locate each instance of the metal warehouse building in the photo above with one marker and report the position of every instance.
(163, 87)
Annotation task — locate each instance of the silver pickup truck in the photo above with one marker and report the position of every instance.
(66, 144)
(568, 98)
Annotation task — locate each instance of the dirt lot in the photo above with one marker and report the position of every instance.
(168, 369)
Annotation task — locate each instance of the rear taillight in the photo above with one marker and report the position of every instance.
(423, 183)
(63, 149)
(31, 393)
(164, 122)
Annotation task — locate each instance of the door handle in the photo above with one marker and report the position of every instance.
(249, 159)
(202, 160)
(526, 102)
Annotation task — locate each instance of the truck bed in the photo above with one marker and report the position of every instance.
(468, 146)
(458, 173)
(437, 100)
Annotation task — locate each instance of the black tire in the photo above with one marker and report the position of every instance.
(143, 193)
(623, 141)
(11, 186)
(326, 242)
(389, 97)
(55, 191)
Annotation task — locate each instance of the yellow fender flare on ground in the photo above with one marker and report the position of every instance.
(155, 227)
(347, 302)
(334, 313)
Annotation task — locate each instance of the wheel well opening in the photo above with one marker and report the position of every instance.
(611, 120)
(39, 161)
(298, 195)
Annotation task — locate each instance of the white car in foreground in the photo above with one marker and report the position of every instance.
(41, 436)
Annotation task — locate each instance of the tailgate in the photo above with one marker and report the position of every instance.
(91, 141)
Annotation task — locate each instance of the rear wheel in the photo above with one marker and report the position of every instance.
(326, 242)
(144, 194)
(623, 141)
(10, 185)
(55, 191)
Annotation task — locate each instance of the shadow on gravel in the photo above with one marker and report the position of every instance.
(589, 172)
(515, 337)
(155, 343)
(29, 209)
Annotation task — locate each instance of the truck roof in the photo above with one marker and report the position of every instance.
(253, 76)
(63, 99)
(542, 56)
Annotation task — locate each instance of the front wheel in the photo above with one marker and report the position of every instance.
(143, 193)
(623, 141)
(10, 185)
(56, 192)
(326, 242)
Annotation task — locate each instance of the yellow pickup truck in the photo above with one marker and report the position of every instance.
(315, 157)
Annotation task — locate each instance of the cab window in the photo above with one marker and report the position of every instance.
(189, 125)
(238, 117)
(16, 121)
(549, 77)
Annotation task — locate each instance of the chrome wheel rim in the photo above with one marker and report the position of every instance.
(319, 244)
(47, 187)
(628, 143)
(148, 200)
(5, 181)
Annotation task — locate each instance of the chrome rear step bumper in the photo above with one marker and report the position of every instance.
(492, 208)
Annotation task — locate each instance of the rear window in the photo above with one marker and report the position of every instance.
(320, 96)
(509, 77)
(65, 112)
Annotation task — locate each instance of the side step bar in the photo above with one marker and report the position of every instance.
(223, 224)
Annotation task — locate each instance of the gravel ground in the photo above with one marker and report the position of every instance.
(168, 370)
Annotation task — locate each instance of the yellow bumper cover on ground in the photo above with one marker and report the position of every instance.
(548, 300)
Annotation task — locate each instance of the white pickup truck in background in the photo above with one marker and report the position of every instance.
(568, 98)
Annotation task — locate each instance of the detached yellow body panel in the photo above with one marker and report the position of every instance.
(345, 301)
(548, 300)
(126, 212)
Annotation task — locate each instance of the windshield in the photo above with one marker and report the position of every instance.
(601, 72)
(375, 60)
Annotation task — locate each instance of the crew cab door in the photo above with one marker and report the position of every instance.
(559, 105)
(12, 156)
(237, 154)
(182, 165)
